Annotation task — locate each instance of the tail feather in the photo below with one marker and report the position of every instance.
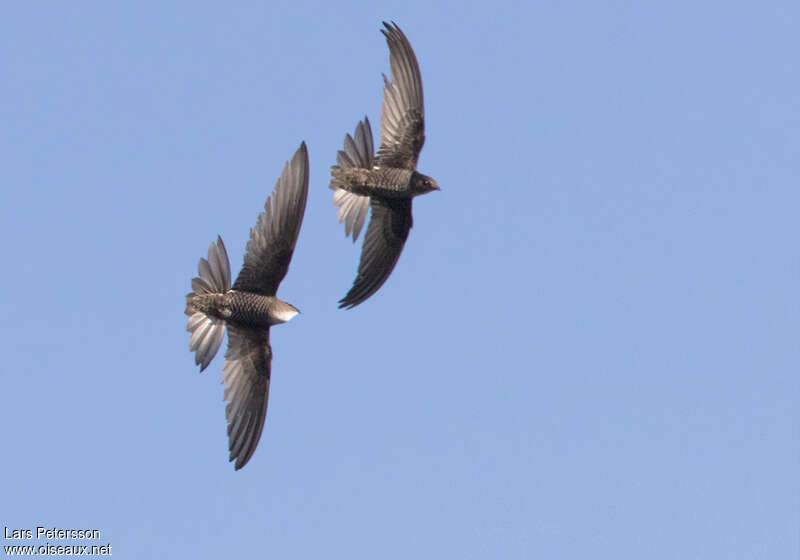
(358, 149)
(214, 278)
(207, 333)
(358, 152)
(216, 270)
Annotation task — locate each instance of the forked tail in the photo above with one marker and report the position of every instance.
(358, 152)
(214, 278)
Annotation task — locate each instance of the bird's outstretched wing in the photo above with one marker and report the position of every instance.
(386, 235)
(358, 152)
(273, 238)
(403, 116)
(246, 376)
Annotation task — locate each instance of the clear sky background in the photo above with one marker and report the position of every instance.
(590, 345)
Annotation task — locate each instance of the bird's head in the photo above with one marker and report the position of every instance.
(424, 184)
(283, 312)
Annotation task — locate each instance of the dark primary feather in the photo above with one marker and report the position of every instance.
(246, 375)
(403, 116)
(386, 235)
(274, 236)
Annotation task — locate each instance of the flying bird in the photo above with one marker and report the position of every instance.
(386, 182)
(249, 308)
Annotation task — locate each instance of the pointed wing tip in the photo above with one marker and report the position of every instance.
(242, 458)
(301, 155)
(348, 302)
(393, 32)
(299, 160)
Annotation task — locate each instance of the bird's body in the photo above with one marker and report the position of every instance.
(387, 181)
(380, 182)
(243, 309)
(249, 308)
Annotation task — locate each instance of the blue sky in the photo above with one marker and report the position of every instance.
(589, 347)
